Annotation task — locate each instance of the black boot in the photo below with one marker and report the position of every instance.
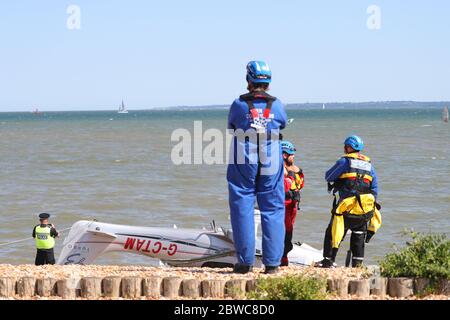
(326, 263)
(357, 263)
(242, 268)
(271, 269)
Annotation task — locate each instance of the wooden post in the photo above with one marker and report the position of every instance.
(26, 287)
(378, 286)
(191, 288)
(251, 285)
(360, 288)
(46, 287)
(152, 287)
(444, 286)
(67, 288)
(91, 287)
(330, 285)
(235, 288)
(338, 286)
(172, 287)
(7, 287)
(131, 287)
(421, 285)
(213, 288)
(111, 287)
(400, 287)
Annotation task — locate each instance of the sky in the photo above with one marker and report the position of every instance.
(194, 53)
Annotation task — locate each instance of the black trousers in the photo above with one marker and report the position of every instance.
(358, 226)
(44, 256)
(288, 246)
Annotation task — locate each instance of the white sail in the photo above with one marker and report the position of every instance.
(122, 108)
(323, 106)
(445, 114)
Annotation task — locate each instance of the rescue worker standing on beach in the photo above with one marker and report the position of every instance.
(294, 180)
(354, 178)
(255, 171)
(45, 234)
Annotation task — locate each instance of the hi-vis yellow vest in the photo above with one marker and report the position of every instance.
(43, 238)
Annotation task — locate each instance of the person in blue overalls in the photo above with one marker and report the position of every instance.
(255, 171)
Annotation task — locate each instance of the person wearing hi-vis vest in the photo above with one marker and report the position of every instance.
(44, 234)
(353, 177)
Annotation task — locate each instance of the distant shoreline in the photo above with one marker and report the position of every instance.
(289, 106)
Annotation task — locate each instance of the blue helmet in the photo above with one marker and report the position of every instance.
(287, 147)
(355, 142)
(258, 72)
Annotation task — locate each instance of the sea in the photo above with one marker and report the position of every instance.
(119, 168)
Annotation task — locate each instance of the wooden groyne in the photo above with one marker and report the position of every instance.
(86, 282)
(123, 287)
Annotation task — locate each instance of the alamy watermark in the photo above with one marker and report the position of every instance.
(74, 19)
(233, 147)
(374, 20)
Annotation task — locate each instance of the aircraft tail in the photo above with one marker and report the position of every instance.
(84, 244)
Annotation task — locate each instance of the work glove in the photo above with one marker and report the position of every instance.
(369, 235)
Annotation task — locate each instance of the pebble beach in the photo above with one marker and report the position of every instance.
(77, 272)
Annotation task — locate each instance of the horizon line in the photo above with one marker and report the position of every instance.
(32, 109)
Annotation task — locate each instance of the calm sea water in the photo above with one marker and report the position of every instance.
(117, 168)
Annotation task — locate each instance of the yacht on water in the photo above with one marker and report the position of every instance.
(445, 114)
(122, 108)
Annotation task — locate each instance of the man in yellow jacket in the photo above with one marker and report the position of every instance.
(354, 178)
(44, 234)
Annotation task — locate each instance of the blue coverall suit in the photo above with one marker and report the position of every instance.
(245, 183)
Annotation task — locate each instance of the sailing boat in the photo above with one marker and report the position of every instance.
(445, 114)
(122, 108)
(323, 106)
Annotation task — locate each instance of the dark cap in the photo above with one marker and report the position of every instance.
(44, 215)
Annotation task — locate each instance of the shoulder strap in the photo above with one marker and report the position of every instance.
(249, 97)
(356, 155)
(291, 174)
(257, 95)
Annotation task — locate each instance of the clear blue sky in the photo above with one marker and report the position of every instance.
(168, 53)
